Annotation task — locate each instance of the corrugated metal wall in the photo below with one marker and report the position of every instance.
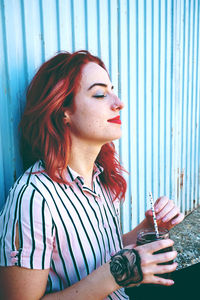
(151, 49)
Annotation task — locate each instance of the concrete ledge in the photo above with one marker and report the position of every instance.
(186, 236)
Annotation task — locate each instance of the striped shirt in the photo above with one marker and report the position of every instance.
(70, 229)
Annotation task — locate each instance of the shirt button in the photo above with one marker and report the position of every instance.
(14, 260)
(14, 253)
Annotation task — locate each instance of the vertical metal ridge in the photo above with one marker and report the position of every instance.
(2, 177)
(129, 112)
(187, 120)
(58, 24)
(42, 30)
(98, 29)
(137, 116)
(119, 58)
(86, 24)
(165, 100)
(72, 25)
(193, 115)
(182, 206)
(171, 99)
(109, 41)
(152, 98)
(5, 48)
(6, 132)
(145, 107)
(195, 168)
(159, 106)
(198, 165)
(198, 101)
(24, 45)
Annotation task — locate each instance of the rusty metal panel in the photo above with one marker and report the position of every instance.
(151, 49)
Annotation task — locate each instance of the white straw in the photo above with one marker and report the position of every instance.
(154, 215)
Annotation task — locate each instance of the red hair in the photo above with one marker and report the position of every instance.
(44, 135)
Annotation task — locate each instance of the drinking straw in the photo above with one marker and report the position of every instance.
(154, 215)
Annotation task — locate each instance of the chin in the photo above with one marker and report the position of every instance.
(115, 137)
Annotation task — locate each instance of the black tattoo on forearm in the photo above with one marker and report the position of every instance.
(125, 266)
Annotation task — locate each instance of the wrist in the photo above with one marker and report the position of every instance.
(125, 266)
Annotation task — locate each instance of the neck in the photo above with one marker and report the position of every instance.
(82, 159)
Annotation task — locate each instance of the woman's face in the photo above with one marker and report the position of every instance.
(96, 116)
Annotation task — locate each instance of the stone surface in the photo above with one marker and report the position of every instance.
(186, 236)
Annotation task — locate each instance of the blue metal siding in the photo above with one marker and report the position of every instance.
(151, 49)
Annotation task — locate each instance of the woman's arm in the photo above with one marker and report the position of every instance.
(26, 284)
(96, 286)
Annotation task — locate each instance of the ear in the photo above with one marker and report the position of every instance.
(66, 117)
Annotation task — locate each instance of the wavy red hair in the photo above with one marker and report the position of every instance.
(44, 135)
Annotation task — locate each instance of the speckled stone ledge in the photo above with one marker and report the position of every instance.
(186, 236)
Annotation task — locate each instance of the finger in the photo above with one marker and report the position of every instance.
(165, 210)
(153, 279)
(149, 213)
(171, 214)
(164, 257)
(155, 246)
(162, 269)
(157, 259)
(178, 219)
(160, 203)
(163, 281)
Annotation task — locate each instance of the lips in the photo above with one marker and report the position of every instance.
(115, 120)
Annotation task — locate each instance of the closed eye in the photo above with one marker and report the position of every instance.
(100, 96)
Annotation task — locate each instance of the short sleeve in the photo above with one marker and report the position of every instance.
(26, 213)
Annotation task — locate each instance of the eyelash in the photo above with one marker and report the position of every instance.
(99, 96)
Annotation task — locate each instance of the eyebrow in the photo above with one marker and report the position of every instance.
(99, 84)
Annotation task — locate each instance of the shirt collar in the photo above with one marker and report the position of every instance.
(74, 176)
(97, 170)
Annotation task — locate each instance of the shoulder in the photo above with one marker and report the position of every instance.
(31, 180)
(27, 190)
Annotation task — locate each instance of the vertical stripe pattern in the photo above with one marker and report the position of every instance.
(68, 228)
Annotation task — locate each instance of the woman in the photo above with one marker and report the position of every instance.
(60, 224)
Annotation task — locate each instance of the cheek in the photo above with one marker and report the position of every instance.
(86, 122)
(93, 125)
(91, 119)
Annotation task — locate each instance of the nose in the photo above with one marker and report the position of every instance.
(117, 104)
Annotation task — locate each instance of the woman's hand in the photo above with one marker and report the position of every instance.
(167, 213)
(150, 263)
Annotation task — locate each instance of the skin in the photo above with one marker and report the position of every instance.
(90, 129)
(89, 124)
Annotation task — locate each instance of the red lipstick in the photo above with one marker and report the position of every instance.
(115, 120)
